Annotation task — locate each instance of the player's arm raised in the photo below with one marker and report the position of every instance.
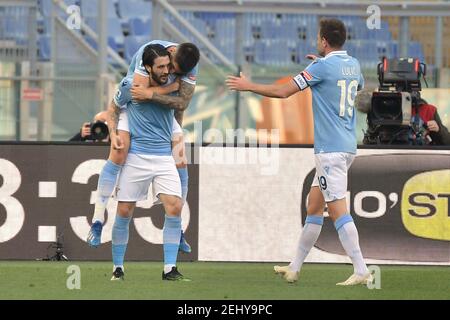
(241, 83)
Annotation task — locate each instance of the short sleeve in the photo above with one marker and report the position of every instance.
(191, 76)
(123, 94)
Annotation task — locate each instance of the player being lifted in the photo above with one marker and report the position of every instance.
(334, 80)
(149, 161)
(184, 63)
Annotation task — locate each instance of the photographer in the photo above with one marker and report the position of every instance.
(426, 118)
(99, 126)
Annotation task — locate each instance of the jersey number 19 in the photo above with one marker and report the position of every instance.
(347, 95)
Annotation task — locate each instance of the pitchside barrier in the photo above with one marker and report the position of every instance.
(244, 204)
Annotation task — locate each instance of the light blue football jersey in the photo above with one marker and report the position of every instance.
(137, 66)
(334, 81)
(150, 124)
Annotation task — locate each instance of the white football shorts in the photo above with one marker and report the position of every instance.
(139, 171)
(331, 174)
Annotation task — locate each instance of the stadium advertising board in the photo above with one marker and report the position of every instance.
(399, 200)
(401, 207)
(244, 204)
(47, 194)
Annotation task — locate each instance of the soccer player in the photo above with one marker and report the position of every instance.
(184, 60)
(334, 80)
(149, 161)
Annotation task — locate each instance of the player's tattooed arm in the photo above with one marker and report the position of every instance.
(178, 115)
(112, 117)
(180, 102)
(141, 93)
(112, 120)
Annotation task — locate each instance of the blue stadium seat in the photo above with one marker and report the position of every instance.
(114, 28)
(290, 30)
(44, 46)
(382, 48)
(45, 25)
(393, 49)
(268, 38)
(140, 27)
(134, 8)
(415, 51)
(91, 42)
(92, 23)
(89, 8)
(305, 47)
(280, 52)
(72, 2)
(116, 43)
(15, 29)
(259, 52)
(45, 7)
(132, 44)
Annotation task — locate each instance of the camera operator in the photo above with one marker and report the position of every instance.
(396, 113)
(99, 126)
(425, 128)
(425, 118)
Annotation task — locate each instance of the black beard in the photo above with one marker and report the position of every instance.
(158, 80)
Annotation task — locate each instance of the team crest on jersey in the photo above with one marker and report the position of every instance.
(306, 75)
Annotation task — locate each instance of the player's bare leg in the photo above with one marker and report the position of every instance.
(179, 155)
(171, 236)
(106, 185)
(309, 236)
(120, 235)
(348, 235)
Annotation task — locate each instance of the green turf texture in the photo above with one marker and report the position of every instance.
(222, 281)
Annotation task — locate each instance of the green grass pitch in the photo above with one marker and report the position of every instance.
(222, 281)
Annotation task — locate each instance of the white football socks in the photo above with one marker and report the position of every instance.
(348, 234)
(309, 236)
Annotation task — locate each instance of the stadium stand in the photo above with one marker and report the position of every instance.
(269, 38)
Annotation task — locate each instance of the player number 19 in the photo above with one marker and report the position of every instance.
(347, 93)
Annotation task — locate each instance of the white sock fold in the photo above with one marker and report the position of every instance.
(168, 267)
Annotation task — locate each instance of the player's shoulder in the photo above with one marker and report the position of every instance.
(126, 82)
(316, 63)
(194, 70)
(318, 66)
